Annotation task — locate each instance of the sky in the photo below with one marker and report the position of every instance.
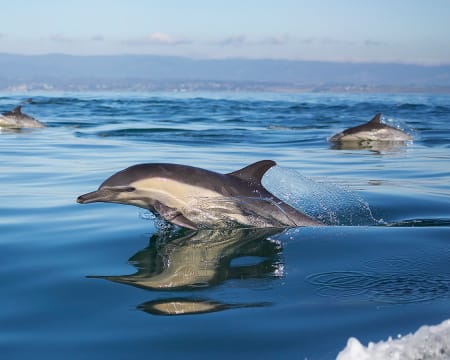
(401, 31)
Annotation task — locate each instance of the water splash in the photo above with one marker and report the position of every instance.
(327, 202)
(428, 342)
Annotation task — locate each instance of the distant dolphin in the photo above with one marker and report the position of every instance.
(15, 119)
(374, 130)
(195, 198)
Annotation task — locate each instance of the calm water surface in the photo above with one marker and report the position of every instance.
(104, 281)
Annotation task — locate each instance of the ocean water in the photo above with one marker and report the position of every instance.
(106, 281)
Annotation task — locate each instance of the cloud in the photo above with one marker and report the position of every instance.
(276, 40)
(61, 38)
(166, 39)
(98, 38)
(333, 41)
(323, 41)
(369, 42)
(306, 41)
(158, 38)
(233, 40)
(241, 40)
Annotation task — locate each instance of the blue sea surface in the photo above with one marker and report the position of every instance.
(106, 281)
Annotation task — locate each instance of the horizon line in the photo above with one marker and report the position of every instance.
(349, 61)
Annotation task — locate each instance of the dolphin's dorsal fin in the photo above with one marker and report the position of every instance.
(376, 119)
(254, 172)
(17, 111)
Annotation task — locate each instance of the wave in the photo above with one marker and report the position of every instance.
(272, 120)
(428, 342)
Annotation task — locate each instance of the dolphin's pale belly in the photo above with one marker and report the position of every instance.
(222, 211)
(383, 134)
(209, 209)
(15, 122)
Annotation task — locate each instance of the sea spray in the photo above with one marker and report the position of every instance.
(322, 200)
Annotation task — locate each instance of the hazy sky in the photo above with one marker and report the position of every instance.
(407, 31)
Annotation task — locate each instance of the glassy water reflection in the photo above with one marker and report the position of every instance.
(189, 260)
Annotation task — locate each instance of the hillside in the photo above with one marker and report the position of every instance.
(58, 71)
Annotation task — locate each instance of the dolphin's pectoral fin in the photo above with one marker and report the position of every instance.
(174, 216)
(180, 220)
(254, 172)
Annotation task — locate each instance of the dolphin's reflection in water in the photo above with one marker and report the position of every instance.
(190, 306)
(192, 260)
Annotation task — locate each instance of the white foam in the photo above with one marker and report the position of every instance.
(428, 342)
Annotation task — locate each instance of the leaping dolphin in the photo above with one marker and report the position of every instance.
(16, 119)
(196, 198)
(374, 130)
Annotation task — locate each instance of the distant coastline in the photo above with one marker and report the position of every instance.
(149, 73)
(130, 85)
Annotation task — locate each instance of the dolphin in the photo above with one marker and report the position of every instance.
(196, 198)
(374, 130)
(16, 119)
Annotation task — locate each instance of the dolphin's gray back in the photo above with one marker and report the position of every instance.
(181, 173)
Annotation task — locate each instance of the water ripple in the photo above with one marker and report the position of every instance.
(420, 222)
(392, 288)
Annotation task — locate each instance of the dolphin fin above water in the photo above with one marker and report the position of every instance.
(253, 173)
(376, 119)
(17, 110)
(16, 119)
(196, 198)
(373, 130)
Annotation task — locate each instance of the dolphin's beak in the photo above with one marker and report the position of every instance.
(104, 194)
(94, 196)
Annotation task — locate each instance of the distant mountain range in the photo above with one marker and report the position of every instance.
(58, 71)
